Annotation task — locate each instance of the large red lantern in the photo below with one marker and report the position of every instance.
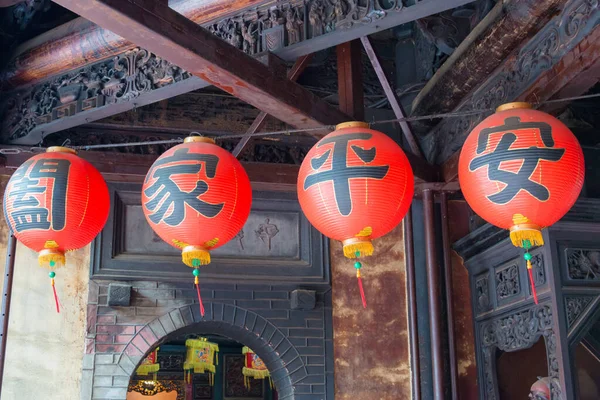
(355, 185)
(196, 197)
(54, 203)
(522, 170)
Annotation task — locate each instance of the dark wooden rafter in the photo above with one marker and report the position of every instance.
(293, 75)
(576, 73)
(392, 98)
(67, 77)
(81, 42)
(158, 28)
(504, 29)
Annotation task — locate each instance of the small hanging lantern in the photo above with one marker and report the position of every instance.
(196, 197)
(150, 365)
(254, 368)
(355, 185)
(201, 358)
(56, 202)
(521, 169)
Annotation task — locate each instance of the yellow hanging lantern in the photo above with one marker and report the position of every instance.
(150, 365)
(201, 358)
(254, 368)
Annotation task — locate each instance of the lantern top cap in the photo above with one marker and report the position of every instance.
(198, 139)
(352, 124)
(60, 149)
(518, 105)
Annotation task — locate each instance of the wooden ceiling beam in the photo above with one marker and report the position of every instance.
(156, 27)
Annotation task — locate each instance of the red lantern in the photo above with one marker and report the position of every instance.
(56, 202)
(521, 169)
(196, 197)
(355, 185)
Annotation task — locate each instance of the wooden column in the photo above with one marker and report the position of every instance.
(350, 84)
(434, 294)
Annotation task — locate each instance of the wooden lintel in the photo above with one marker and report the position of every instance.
(156, 27)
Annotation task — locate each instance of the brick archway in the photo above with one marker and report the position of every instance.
(281, 357)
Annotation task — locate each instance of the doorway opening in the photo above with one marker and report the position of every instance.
(201, 367)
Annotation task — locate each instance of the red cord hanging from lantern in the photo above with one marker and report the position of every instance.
(196, 197)
(522, 170)
(355, 185)
(56, 202)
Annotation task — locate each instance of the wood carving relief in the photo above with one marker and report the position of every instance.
(120, 79)
(583, 264)
(519, 331)
(575, 306)
(483, 294)
(557, 38)
(507, 282)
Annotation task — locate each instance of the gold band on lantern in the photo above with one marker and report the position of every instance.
(198, 139)
(46, 256)
(530, 232)
(362, 245)
(352, 124)
(517, 105)
(191, 253)
(60, 149)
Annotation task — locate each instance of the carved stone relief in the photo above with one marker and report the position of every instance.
(558, 37)
(507, 282)
(519, 331)
(483, 294)
(583, 264)
(575, 306)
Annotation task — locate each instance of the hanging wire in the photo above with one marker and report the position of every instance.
(322, 128)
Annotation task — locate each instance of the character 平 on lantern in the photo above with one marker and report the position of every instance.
(355, 185)
(54, 203)
(522, 170)
(196, 197)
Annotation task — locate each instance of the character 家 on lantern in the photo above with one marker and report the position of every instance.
(196, 197)
(54, 203)
(355, 185)
(522, 170)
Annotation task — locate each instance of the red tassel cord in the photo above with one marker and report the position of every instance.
(362, 290)
(530, 270)
(358, 266)
(52, 275)
(196, 273)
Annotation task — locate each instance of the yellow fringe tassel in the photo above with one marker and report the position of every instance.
(534, 235)
(255, 373)
(189, 256)
(365, 248)
(147, 369)
(45, 259)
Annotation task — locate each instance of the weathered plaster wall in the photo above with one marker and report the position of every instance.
(371, 348)
(45, 349)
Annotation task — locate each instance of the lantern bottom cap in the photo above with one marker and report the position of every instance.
(523, 232)
(51, 258)
(191, 253)
(361, 245)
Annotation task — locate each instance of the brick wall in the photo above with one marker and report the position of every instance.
(295, 344)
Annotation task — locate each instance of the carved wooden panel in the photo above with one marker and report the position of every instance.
(482, 294)
(507, 282)
(276, 244)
